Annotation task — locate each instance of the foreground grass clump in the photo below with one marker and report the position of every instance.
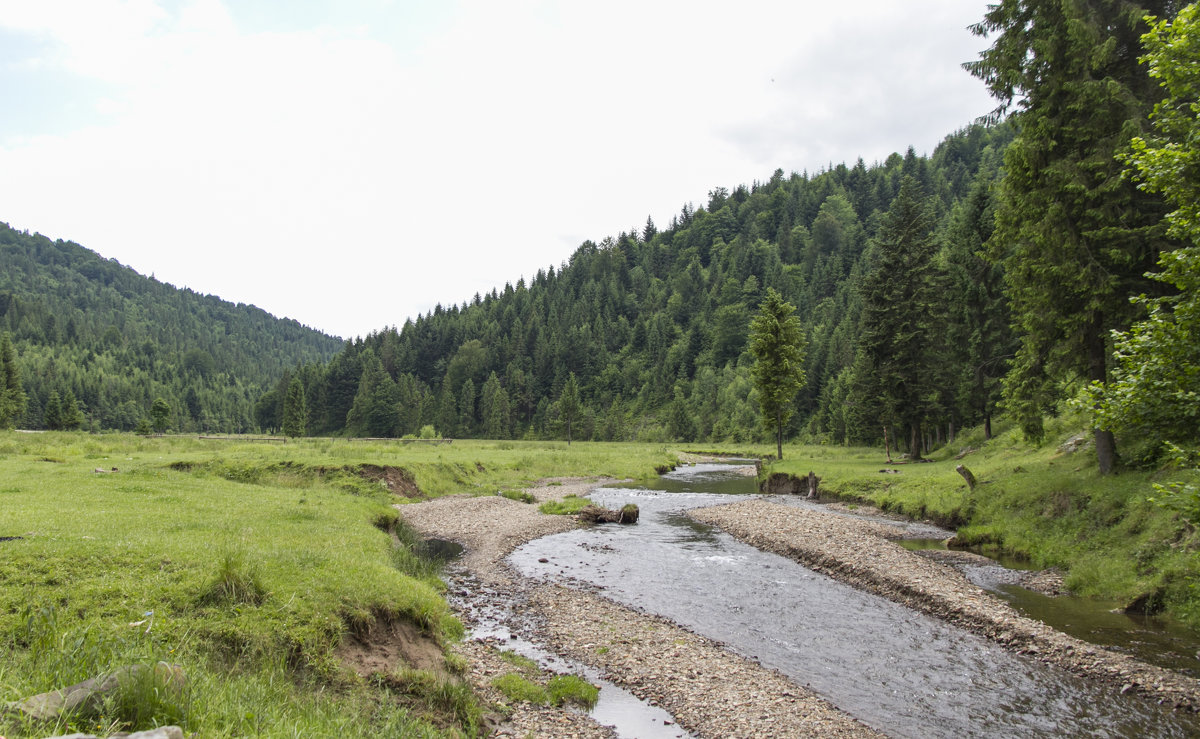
(246, 565)
(559, 690)
(1047, 503)
(568, 506)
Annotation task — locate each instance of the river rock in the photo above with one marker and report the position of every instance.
(161, 732)
(90, 693)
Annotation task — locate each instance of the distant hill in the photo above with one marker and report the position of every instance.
(116, 340)
(653, 323)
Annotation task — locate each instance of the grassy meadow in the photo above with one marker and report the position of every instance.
(244, 563)
(1115, 536)
(247, 564)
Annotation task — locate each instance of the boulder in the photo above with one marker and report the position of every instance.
(90, 693)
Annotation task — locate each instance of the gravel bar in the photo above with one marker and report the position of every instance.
(861, 554)
(711, 691)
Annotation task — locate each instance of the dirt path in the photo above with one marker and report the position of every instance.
(710, 691)
(860, 553)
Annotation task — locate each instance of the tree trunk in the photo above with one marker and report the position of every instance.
(914, 444)
(887, 447)
(987, 427)
(1097, 349)
(779, 435)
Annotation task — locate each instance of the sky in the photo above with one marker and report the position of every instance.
(353, 163)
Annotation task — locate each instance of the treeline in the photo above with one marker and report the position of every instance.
(654, 323)
(1014, 268)
(97, 343)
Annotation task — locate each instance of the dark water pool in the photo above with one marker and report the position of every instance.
(900, 671)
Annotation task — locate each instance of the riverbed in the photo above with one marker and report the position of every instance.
(897, 670)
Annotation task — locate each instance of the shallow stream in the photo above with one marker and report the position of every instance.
(902, 672)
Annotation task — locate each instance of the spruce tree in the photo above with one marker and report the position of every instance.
(52, 414)
(1075, 237)
(70, 417)
(1155, 388)
(777, 345)
(895, 367)
(568, 405)
(12, 393)
(295, 410)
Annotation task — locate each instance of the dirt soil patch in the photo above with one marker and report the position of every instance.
(398, 480)
(390, 645)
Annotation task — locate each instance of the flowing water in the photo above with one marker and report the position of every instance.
(897, 670)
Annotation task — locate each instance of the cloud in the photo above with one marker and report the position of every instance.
(353, 175)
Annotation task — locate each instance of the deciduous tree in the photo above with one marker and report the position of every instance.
(1156, 382)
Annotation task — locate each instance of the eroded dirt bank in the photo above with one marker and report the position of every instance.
(710, 691)
(862, 554)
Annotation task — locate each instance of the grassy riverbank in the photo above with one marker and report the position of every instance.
(246, 564)
(1046, 503)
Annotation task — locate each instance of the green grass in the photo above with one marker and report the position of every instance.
(518, 495)
(557, 691)
(246, 564)
(568, 506)
(1047, 505)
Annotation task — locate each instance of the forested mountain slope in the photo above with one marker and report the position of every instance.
(116, 340)
(654, 323)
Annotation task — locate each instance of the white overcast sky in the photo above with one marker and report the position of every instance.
(352, 163)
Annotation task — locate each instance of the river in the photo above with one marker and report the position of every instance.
(897, 670)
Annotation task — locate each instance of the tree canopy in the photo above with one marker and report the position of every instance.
(777, 345)
(1074, 236)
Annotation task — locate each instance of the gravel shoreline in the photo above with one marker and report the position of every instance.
(710, 691)
(862, 554)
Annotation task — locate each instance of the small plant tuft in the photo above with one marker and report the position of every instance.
(573, 689)
(519, 689)
(238, 581)
(568, 506)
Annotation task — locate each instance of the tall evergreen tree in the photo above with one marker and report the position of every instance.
(373, 413)
(1075, 237)
(52, 414)
(777, 345)
(1156, 385)
(494, 408)
(12, 393)
(979, 334)
(568, 405)
(295, 410)
(896, 335)
(70, 416)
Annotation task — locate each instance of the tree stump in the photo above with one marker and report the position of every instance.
(813, 482)
(966, 475)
